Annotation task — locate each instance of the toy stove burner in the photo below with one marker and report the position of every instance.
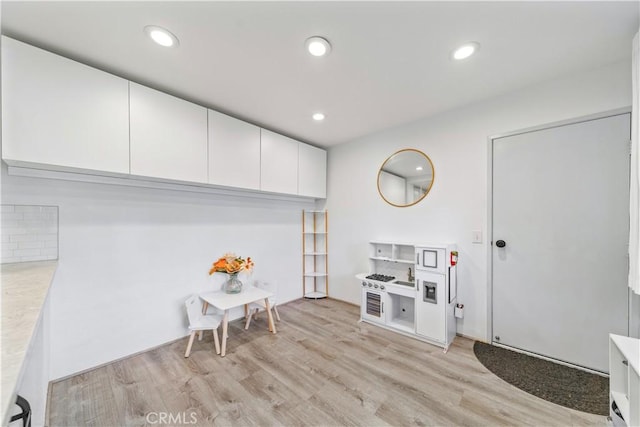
(380, 277)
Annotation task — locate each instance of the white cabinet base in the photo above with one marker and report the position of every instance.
(406, 333)
(624, 379)
(70, 174)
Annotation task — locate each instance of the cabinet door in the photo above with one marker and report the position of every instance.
(312, 171)
(234, 152)
(373, 305)
(279, 163)
(168, 136)
(431, 259)
(59, 112)
(431, 306)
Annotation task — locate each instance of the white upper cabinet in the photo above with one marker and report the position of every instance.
(312, 171)
(168, 136)
(279, 163)
(62, 113)
(59, 114)
(234, 152)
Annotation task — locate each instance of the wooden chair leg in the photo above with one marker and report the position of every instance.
(200, 335)
(216, 341)
(255, 313)
(246, 325)
(191, 337)
(275, 310)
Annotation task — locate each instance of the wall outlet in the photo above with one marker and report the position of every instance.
(476, 236)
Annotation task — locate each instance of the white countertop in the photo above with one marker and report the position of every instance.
(24, 289)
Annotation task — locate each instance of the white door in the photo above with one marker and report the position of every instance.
(560, 205)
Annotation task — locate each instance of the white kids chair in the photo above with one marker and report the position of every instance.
(201, 322)
(255, 307)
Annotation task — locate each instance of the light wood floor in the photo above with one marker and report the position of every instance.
(322, 368)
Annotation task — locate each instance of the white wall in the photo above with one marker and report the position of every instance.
(129, 257)
(457, 143)
(634, 312)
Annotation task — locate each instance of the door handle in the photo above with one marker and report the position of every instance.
(501, 243)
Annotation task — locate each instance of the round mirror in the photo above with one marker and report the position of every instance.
(405, 177)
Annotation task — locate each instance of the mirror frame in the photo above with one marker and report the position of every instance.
(425, 193)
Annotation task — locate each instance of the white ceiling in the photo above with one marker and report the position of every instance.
(390, 62)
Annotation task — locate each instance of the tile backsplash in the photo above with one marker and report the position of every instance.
(29, 233)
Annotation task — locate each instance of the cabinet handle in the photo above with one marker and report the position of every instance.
(382, 308)
(625, 362)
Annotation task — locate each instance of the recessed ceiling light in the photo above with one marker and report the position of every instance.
(318, 46)
(318, 117)
(161, 36)
(419, 168)
(466, 50)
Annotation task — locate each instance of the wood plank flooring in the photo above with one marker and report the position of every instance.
(322, 368)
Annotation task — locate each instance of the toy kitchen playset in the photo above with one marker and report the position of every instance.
(412, 289)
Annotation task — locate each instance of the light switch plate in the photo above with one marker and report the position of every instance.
(476, 236)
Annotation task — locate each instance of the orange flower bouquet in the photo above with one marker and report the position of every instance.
(232, 264)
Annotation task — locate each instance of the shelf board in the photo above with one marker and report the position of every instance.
(405, 325)
(315, 295)
(316, 253)
(399, 261)
(314, 274)
(386, 243)
(623, 404)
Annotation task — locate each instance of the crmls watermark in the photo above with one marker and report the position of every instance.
(170, 418)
